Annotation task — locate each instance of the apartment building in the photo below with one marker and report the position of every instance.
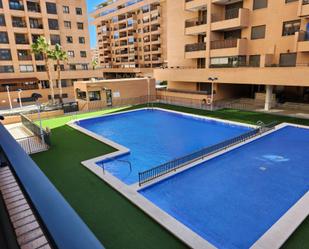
(131, 34)
(255, 49)
(21, 22)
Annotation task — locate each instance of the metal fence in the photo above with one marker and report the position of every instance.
(163, 169)
(35, 129)
(32, 144)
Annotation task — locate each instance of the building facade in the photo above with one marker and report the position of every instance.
(21, 22)
(254, 48)
(131, 34)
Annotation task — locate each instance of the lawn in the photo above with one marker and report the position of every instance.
(114, 220)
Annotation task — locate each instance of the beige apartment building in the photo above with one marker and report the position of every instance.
(254, 49)
(131, 35)
(21, 23)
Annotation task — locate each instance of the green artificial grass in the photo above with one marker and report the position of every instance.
(114, 220)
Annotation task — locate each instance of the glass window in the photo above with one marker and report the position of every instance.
(80, 25)
(290, 27)
(67, 24)
(94, 95)
(7, 69)
(26, 68)
(258, 32)
(79, 11)
(254, 60)
(288, 60)
(55, 39)
(259, 4)
(53, 24)
(51, 8)
(81, 40)
(69, 39)
(71, 53)
(83, 54)
(5, 55)
(4, 39)
(2, 20)
(66, 9)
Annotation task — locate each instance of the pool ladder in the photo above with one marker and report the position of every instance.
(119, 160)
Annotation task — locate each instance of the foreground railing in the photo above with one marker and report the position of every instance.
(163, 169)
(35, 129)
(62, 224)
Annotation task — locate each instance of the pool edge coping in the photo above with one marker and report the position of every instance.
(272, 238)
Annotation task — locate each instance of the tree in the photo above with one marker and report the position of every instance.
(94, 64)
(42, 47)
(58, 55)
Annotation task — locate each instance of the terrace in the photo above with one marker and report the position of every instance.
(107, 218)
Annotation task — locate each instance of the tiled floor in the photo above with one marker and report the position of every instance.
(27, 229)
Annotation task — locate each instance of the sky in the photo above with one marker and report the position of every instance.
(91, 4)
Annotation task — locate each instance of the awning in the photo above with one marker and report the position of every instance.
(18, 80)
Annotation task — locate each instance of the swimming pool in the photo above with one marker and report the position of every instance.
(155, 137)
(233, 199)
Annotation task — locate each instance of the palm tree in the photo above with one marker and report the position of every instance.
(59, 55)
(42, 47)
(94, 64)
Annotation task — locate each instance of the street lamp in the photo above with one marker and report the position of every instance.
(212, 79)
(35, 97)
(9, 96)
(19, 96)
(148, 88)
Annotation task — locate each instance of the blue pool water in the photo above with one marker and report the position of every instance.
(155, 137)
(233, 199)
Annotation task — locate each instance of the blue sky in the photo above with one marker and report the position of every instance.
(91, 6)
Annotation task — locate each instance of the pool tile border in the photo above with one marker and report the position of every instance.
(272, 238)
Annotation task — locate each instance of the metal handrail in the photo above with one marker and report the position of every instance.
(163, 169)
(116, 159)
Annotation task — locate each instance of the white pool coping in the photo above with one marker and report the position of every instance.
(272, 238)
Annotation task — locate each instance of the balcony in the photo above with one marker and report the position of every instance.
(195, 26)
(33, 7)
(16, 5)
(231, 47)
(195, 50)
(18, 22)
(303, 8)
(232, 19)
(302, 41)
(195, 5)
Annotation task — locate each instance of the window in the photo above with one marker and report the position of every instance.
(259, 4)
(1, 6)
(4, 39)
(79, 11)
(254, 60)
(24, 55)
(53, 24)
(25, 68)
(83, 54)
(2, 20)
(94, 95)
(66, 9)
(290, 27)
(5, 55)
(290, 1)
(72, 67)
(21, 39)
(40, 68)
(71, 54)
(288, 60)
(69, 39)
(258, 32)
(67, 24)
(80, 25)
(55, 39)
(51, 8)
(231, 61)
(84, 66)
(81, 40)
(203, 87)
(6, 69)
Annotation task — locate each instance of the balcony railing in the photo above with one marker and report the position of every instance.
(229, 14)
(19, 24)
(195, 47)
(223, 44)
(194, 22)
(303, 35)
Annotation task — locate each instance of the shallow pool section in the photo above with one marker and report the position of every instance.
(155, 137)
(233, 199)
